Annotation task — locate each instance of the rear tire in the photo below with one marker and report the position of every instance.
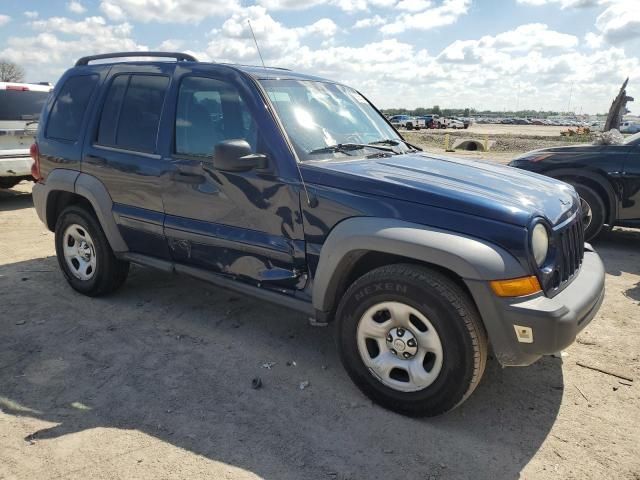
(84, 254)
(445, 352)
(593, 211)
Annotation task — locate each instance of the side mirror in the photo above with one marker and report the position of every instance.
(236, 156)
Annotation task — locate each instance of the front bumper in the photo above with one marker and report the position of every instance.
(554, 322)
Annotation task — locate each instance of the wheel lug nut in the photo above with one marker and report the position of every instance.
(394, 351)
(400, 332)
(406, 355)
(411, 342)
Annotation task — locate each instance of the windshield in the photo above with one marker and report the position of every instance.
(633, 139)
(317, 115)
(21, 104)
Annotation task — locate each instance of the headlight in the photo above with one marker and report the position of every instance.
(539, 243)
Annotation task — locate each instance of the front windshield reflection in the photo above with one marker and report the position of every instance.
(317, 115)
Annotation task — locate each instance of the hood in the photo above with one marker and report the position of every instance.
(565, 149)
(476, 188)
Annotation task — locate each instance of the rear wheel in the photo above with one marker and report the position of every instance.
(593, 211)
(411, 339)
(84, 254)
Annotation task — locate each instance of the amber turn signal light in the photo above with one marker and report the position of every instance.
(516, 287)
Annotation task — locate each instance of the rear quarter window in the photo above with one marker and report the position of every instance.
(65, 119)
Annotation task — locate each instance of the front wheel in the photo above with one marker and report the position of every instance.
(411, 339)
(593, 211)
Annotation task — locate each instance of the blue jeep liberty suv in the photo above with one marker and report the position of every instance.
(296, 190)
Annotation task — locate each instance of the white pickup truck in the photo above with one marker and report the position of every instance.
(20, 107)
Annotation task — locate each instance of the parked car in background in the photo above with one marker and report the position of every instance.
(295, 190)
(406, 122)
(20, 107)
(430, 121)
(630, 127)
(443, 122)
(607, 178)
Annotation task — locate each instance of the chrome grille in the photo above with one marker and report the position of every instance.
(569, 251)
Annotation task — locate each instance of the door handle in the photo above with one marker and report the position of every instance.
(95, 160)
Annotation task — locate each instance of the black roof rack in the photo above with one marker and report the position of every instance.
(180, 57)
(256, 66)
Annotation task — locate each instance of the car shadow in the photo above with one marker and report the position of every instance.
(610, 245)
(14, 200)
(175, 358)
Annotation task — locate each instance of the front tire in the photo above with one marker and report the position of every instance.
(84, 254)
(411, 339)
(593, 211)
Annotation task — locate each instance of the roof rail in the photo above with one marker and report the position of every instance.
(256, 66)
(180, 57)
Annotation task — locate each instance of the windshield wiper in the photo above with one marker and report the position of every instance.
(385, 141)
(349, 147)
(391, 141)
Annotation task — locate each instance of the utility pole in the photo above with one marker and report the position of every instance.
(570, 94)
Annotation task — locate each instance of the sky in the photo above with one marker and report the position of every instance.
(562, 55)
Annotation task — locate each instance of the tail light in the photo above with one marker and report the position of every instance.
(35, 167)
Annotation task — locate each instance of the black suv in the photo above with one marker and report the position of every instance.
(297, 190)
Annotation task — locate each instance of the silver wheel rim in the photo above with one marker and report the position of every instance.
(401, 366)
(79, 252)
(587, 213)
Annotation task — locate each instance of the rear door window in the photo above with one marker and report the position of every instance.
(65, 119)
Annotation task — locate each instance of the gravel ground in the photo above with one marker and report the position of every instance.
(155, 382)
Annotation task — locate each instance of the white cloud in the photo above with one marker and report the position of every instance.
(374, 21)
(171, 45)
(31, 14)
(565, 3)
(620, 21)
(59, 41)
(76, 7)
(349, 6)
(593, 41)
(413, 5)
(4, 19)
(290, 4)
(167, 11)
(233, 42)
(446, 13)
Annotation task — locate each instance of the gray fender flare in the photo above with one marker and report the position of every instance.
(90, 188)
(469, 258)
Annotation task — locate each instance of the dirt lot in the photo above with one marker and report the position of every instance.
(155, 382)
(506, 141)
